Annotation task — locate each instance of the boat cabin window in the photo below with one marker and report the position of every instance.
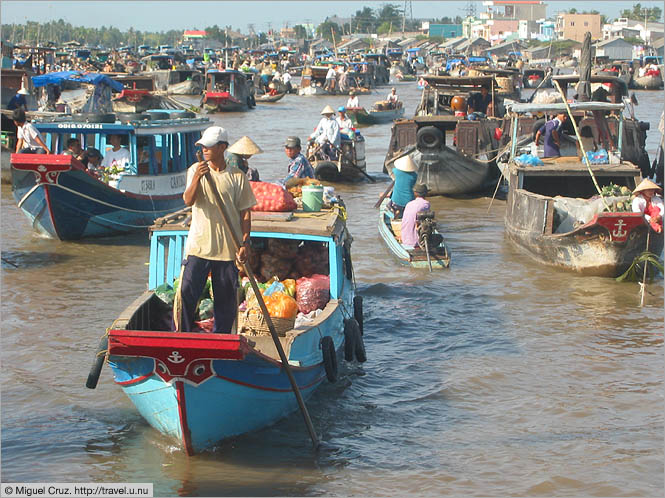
(572, 186)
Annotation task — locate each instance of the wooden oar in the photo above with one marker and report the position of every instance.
(429, 260)
(259, 297)
(385, 193)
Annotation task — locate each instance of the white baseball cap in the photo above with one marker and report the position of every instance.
(212, 136)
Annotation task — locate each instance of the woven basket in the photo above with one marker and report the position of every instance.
(252, 322)
(397, 228)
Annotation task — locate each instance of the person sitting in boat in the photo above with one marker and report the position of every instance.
(480, 102)
(239, 154)
(649, 203)
(342, 119)
(209, 247)
(74, 148)
(552, 140)
(18, 101)
(327, 133)
(352, 100)
(409, 229)
(117, 157)
(92, 159)
(273, 90)
(299, 166)
(405, 175)
(29, 140)
(392, 98)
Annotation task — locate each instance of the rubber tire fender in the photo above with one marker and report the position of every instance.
(329, 358)
(158, 115)
(429, 137)
(351, 336)
(126, 117)
(326, 170)
(358, 312)
(90, 117)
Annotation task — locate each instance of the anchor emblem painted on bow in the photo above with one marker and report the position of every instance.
(619, 232)
(175, 357)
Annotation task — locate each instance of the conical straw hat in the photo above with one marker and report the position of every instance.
(406, 164)
(328, 110)
(646, 184)
(245, 146)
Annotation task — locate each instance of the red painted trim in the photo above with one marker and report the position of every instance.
(47, 196)
(271, 389)
(134, 381)
(45, 159)
(182, 411)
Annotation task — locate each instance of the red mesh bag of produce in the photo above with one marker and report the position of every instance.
(312, 293)
(272, 197)
(312, 258)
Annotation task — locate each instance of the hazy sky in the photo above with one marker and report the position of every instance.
(181, 14)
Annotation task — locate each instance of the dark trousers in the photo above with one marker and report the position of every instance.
(28, 150)
(224, 287)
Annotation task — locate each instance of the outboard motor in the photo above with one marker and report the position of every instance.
(428, 239)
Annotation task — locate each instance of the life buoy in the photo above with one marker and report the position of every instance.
(429, 137)
(358, 312)
(329, 358)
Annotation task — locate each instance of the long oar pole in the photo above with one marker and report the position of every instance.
(643, 286)
(259, 297)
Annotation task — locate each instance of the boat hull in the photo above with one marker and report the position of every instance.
(224, 405)
(648, 83)
(188, 87)
(446, 172)
(67, 203)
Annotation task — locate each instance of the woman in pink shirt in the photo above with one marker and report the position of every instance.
(409, 228)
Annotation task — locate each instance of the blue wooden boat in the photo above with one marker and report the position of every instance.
(64, 200)
(417, 258)
(201, 388)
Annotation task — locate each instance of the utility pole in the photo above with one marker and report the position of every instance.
(403, 18)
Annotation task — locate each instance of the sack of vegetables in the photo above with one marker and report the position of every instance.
(272, 197)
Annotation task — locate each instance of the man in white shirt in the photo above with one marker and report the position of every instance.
(29, 140)
(118, 156)
(286, 79)
(342, 119)
(327, 133)
(331, 78)
(353, 100)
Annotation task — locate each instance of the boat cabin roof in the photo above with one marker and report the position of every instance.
(457, 81)
(298, 225)
(160, 127)
(522, 108)
(574, 166)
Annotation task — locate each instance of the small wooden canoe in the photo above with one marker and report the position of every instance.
(417, 258)
(270, 98)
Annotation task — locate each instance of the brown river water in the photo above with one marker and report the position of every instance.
(497, 377)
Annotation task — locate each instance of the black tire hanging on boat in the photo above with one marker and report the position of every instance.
(126, 117)
(349, 340)
(329, 358)
(97, 363)
(429, 137)
(358, 312)
(158, 115)
(94, 117)
(326, 171)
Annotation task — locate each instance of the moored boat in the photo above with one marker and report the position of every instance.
(420, 257)
(227, 90)
(267, 98)
(350, 165)
(201, 388)
(65, 200)
(379, 113)
(555, 215)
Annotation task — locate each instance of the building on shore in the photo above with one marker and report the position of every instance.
(574, 26)
(615, 49)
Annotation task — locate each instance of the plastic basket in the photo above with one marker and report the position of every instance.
(253, 322)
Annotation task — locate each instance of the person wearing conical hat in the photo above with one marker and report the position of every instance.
(239, 154)
(327, 134)
(18, 101)
(405, 173)
(649, 203)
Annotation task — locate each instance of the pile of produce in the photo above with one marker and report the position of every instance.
(272, 197)
(312, 293)
(277, 295)
(295, 186)
(619, 198)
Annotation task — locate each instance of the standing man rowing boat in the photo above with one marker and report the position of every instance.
(209, 246)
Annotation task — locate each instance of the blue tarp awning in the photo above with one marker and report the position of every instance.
(412, 50)
(59, 77)
(475, 58)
